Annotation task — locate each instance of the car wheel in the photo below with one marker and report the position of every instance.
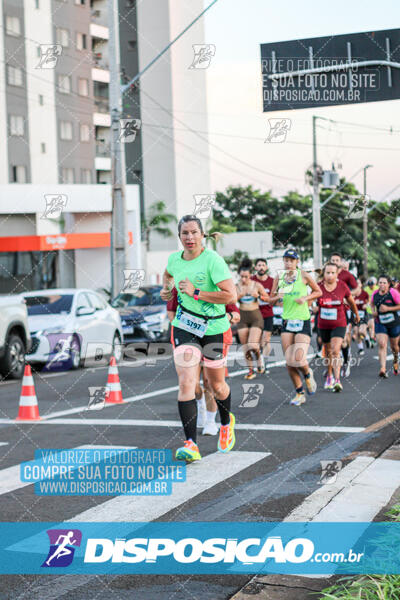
(75, 353)
(13, 362)
(117, 347)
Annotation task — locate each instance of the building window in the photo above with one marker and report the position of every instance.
(80, 2)
(16, 125)
(81, 41)
(41, 100)
(86, 176)
(13, 26)
(62, 37)
(65, 130)
(14, 75)
(85, 133)
(43, 148)
(67, 175)
(37, 4)
(64, 84)
(18, 174)
(83, 87)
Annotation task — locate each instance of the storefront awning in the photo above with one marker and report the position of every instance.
(60, 241)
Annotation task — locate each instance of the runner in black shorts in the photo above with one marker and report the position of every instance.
(332, 321)
(199, 330)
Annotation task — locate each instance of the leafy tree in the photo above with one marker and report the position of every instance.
(157, 220)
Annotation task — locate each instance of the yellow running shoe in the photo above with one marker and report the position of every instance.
(227, 435)
(189, 452)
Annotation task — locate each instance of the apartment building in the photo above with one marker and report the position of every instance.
(54, 88)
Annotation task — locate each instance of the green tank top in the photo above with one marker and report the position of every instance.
(292, 310)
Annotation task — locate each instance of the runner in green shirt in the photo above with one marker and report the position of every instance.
(200, 330)
(290, 286)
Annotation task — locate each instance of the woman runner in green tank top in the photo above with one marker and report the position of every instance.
(291, 288)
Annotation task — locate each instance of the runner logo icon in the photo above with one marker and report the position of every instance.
(62, 542)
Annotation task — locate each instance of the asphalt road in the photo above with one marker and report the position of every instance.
(278, 465)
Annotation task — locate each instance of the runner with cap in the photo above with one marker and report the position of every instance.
(385, 303)
(291, 286)
(199, 330)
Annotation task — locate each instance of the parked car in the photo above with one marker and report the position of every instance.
(70, 325)
(15, 338)
(143, 315)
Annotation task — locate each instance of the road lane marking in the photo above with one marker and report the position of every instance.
(245, 426)
(10, 478)
(161, 392)
(211, 470)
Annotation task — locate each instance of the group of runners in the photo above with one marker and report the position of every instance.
(204, 302)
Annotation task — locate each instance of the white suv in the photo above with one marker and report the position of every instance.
(15, 339)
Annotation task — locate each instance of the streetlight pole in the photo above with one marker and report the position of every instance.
(316, 207)
(365, 225)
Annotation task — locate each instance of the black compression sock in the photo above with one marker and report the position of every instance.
(300, 390)
(345, 352)
(224, 408)
(188, 414)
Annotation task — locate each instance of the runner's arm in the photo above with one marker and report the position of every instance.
(168, 283)
(274, 297)
(316, 290)
(262, 293)
(227, 295)
(353, 307)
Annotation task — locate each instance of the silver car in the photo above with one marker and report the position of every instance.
(70, 325)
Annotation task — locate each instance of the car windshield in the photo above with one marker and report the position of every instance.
(49, 304)
(139, 298)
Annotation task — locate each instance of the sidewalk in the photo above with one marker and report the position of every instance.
(364, 491)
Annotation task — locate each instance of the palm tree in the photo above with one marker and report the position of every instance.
(157, 220)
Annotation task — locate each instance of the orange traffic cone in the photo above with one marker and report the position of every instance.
(28, 404)
(114, 394)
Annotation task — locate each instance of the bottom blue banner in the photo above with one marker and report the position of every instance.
(215, 548)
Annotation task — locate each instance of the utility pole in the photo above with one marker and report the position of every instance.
(365, 225)
(119, 233)
(316, 208)
(119, 230)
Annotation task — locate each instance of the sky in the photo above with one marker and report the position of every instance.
(234, 93)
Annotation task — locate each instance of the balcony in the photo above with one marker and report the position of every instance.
(102, 105)
(103, 149)
(100, 32)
